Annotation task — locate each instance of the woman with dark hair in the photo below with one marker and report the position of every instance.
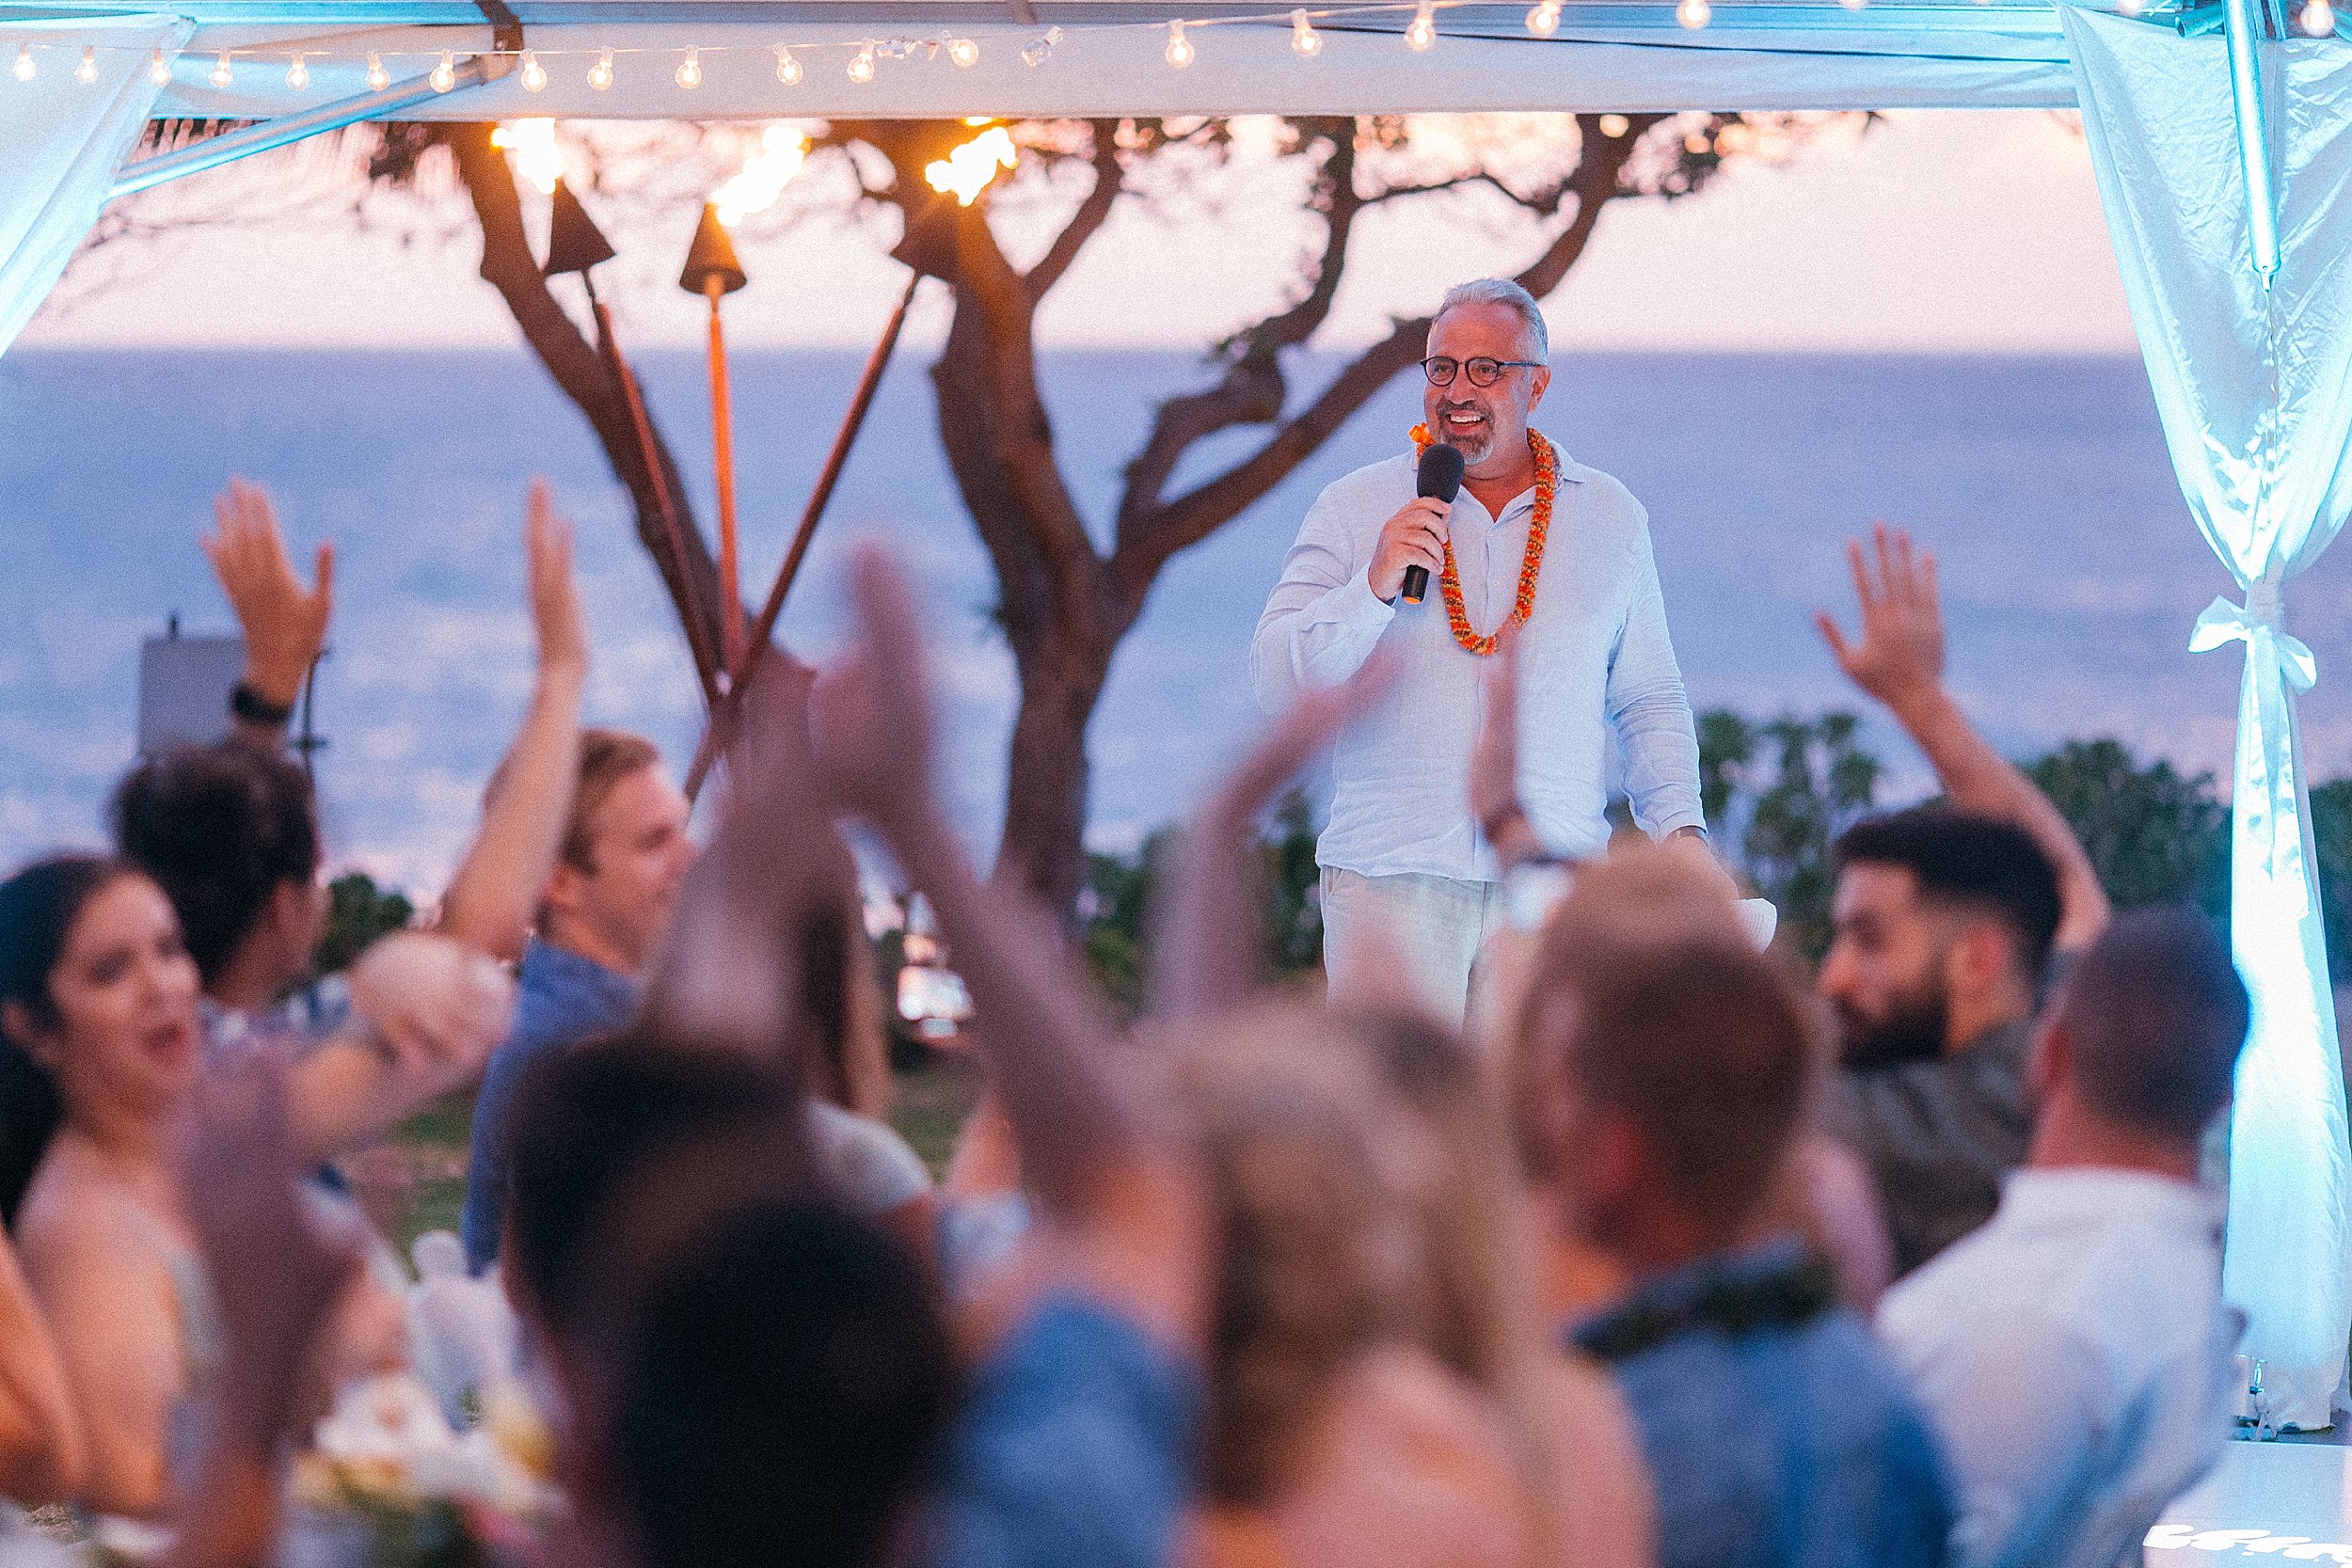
(102, 1045)
(98, 1004)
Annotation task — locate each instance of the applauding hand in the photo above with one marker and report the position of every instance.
(284, 623)
(1899, 655)
(872, 714)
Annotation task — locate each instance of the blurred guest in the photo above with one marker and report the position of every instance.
(1669, 1073)
(2075, 1352)
(231, 832)
(1947, 921)
(624, 854)
(98, 1003)
(40, 1436)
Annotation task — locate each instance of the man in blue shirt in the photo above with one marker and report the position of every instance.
(624, 854)
(1667, 1064)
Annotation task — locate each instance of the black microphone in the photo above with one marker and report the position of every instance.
(1440, 477)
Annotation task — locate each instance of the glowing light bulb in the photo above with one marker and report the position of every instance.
(87, 73)
(299, 74)
(787, 69)
(861, 68)
(1305, 42)
(1424, 30)
(1693, 14)
(1544, 20)
(1853, 5)
(445, 75)
(25, 66)
(535, 74)
(159, 69)
(379, 78)
(1613, 126)
(1180, 50)
(222, 75)
(2318, 18)
(965, 53)
(600, 73)
(690, 71)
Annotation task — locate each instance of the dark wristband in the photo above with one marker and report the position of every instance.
(254, 708)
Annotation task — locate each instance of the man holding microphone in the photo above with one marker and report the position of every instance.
(1534, 540)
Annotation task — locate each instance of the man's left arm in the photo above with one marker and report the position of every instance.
(1650, 712)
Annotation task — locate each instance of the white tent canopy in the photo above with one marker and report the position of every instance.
(2223, 148)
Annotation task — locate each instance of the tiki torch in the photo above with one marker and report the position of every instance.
(712, 272)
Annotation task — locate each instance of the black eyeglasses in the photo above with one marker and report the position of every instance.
(1483, 370)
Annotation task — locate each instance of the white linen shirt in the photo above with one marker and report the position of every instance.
(1593, 657)
(2074, 1355)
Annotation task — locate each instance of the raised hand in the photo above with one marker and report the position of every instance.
(1207, 950)
(284, 623)
(872, 715)
(555, 612)
(1899, 655)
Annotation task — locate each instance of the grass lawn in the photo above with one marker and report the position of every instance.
(416, 1181)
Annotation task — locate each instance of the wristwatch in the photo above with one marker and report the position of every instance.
(254, 708)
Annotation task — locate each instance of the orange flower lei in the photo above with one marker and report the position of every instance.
(1538, 526)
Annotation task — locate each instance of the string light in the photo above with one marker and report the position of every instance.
(1693, 14)
(1613, 126)
(379, 78)
(444, 76)
(690, 71)
(1180, 50)
(1544, 20)
(222, 75)
(1853, 5)
(2318, 18)
(965, 53)
(600, 73)
(1034, 53)
(1305, 40)
(535, 74)
(299, 74)
(25, 66)
(787, 69)
(159, 69)
(1423, 31)
(87, 73)
(861, 68)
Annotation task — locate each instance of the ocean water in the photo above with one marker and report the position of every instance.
(2071, 570)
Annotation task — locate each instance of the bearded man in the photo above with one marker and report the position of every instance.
(1537, 546)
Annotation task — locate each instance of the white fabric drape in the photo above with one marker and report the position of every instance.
(2254, 386)
(61, 138)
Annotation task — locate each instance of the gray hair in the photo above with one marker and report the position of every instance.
(1502, 291)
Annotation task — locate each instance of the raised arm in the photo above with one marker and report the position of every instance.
(1069, 1090)
(492, 900)
(1898, 659)
(284, 623)
(1211, 936)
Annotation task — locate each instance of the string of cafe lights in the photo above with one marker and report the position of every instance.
(2314, 18)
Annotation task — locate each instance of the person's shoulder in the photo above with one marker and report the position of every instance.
(875, 1169)
(1372, 484)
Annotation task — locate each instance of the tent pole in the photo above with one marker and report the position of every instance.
(2253, 142)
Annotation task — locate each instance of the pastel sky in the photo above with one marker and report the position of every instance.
(1965, 230)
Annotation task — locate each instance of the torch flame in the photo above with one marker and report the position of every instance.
(536, 158)
(965, 173)
(763, 175)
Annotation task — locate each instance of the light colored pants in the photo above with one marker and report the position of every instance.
(1406, 938)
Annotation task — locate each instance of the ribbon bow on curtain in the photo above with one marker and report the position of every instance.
(2257, 623)
(2271, 820)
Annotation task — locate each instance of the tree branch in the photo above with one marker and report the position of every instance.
(1110, 179)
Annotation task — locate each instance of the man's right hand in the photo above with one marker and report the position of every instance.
(1414, 537)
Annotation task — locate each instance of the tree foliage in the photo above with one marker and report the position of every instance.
(357, 913)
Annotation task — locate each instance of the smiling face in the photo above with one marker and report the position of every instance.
(123, 1033)
(1488, 425)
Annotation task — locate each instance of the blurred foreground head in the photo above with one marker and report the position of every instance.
(1661, 1063)
(783, 1394)
(2145, 1034)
